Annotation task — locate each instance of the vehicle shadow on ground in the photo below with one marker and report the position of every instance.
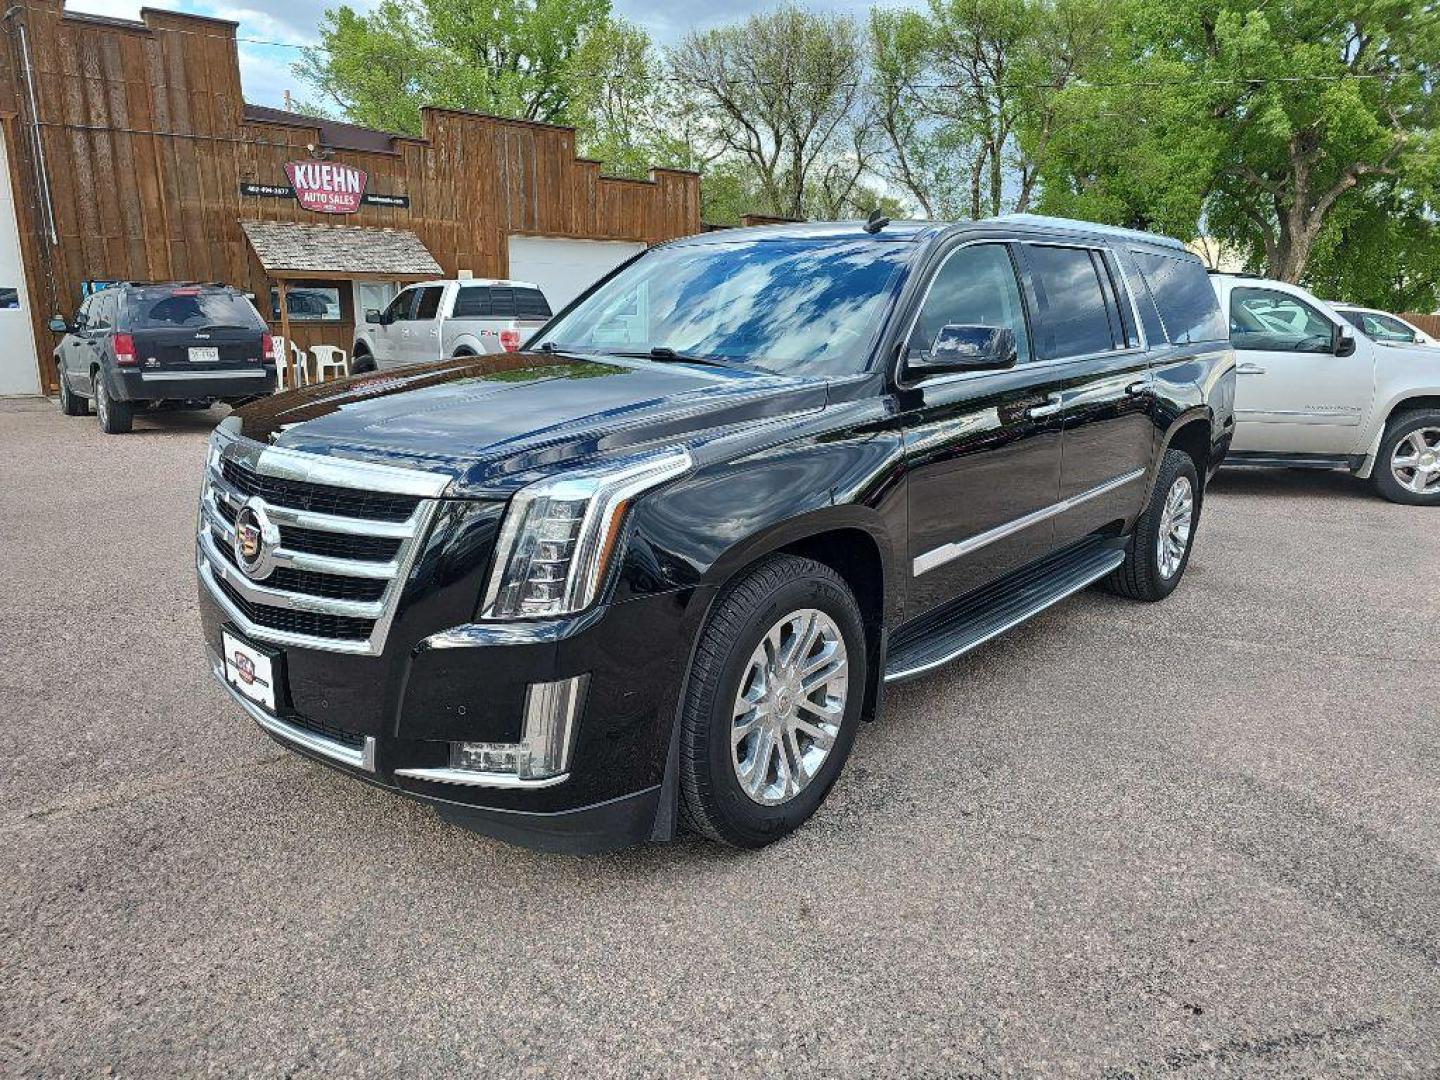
(1291, 483)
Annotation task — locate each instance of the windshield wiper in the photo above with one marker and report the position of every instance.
(667, 355)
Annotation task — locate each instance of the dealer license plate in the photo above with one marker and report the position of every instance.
(205, 354)
(249, 670)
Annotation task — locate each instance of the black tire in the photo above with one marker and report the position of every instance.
(71, 404)
(116, 417)
(362, 363)
(1141, 576)
(464, 350)
(712, 800)
(1400, 428)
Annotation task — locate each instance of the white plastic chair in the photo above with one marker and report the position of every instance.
(298, 373)
(330, 362)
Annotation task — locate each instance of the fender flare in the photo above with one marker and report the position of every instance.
(1201, 412)
(1380, 420)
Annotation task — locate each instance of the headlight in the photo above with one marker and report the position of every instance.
(559, 533)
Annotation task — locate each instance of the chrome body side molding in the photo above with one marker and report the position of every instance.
(949, 552)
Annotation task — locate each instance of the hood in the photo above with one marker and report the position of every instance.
(491, 422)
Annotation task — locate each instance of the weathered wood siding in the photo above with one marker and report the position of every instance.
(146, 146)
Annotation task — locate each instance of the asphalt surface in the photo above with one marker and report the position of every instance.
(1194, 838)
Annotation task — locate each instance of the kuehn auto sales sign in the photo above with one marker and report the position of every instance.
(327, 187)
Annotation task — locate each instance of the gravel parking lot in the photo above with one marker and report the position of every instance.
(1197, 837)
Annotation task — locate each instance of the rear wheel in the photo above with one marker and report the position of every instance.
(1407, 468)
(773, 701)
(1164, 535)
(71, 404)
(116, 417)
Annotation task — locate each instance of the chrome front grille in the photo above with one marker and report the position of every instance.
(348, 533)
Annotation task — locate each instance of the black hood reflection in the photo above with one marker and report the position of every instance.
(489, 421)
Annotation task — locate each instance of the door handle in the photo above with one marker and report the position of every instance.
(1249, 369)
(1052, 406)
(1135, 389)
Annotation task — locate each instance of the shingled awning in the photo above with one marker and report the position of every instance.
(301, 250)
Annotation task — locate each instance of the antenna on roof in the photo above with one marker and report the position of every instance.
(876, 221)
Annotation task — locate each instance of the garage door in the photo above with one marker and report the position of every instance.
(565, 268)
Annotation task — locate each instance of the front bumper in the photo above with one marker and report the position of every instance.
(468, 684)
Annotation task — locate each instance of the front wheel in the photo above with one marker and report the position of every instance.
(362, 364)
(1407, 468)
(772, 704)
(71, 404)
(1160, 547)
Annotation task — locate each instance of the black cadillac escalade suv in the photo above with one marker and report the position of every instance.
(652, 570)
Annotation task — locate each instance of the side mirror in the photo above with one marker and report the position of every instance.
(960, 347)
(58, 325)
(373, 315)
(1342, 341)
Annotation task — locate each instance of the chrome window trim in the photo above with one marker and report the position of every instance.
(212, 567)
(364, 758)
(945, 553)
(1034, 364)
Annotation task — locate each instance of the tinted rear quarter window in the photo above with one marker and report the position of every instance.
(177, 308)
(1078, 320)
(1186, 302)
(500, 302)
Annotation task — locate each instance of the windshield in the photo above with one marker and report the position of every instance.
(808, 307)
(170, 308)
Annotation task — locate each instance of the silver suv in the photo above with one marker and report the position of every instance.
(1314, 393)
(435, 320)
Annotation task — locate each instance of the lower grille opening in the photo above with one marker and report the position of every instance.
(334, 734)
(309, 623)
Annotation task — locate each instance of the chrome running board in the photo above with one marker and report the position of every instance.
(955, 630)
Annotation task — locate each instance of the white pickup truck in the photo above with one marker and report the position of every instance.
(1313, 392)
(434, 320)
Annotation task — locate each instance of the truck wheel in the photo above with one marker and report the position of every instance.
(71, 404)
(1160, 545)
(1407, 468)
(362, 364)
(116, 417)
(772, 703)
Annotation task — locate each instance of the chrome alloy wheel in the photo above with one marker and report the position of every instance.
(1415, 462)
(1175, 522)
(790, 706)
(102, 402)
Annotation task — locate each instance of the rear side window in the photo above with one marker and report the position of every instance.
(500, 302)
(168, 307)
(1186, 302)
(1079, 317)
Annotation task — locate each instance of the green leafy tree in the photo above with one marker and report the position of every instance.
(965, 97)
(1261, 119)
(1380, 251)
(782, 92)
(509, 58)
(626, 112)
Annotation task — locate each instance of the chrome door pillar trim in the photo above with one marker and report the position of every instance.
(923, 564)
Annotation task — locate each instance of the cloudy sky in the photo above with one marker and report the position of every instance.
(265, 69)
